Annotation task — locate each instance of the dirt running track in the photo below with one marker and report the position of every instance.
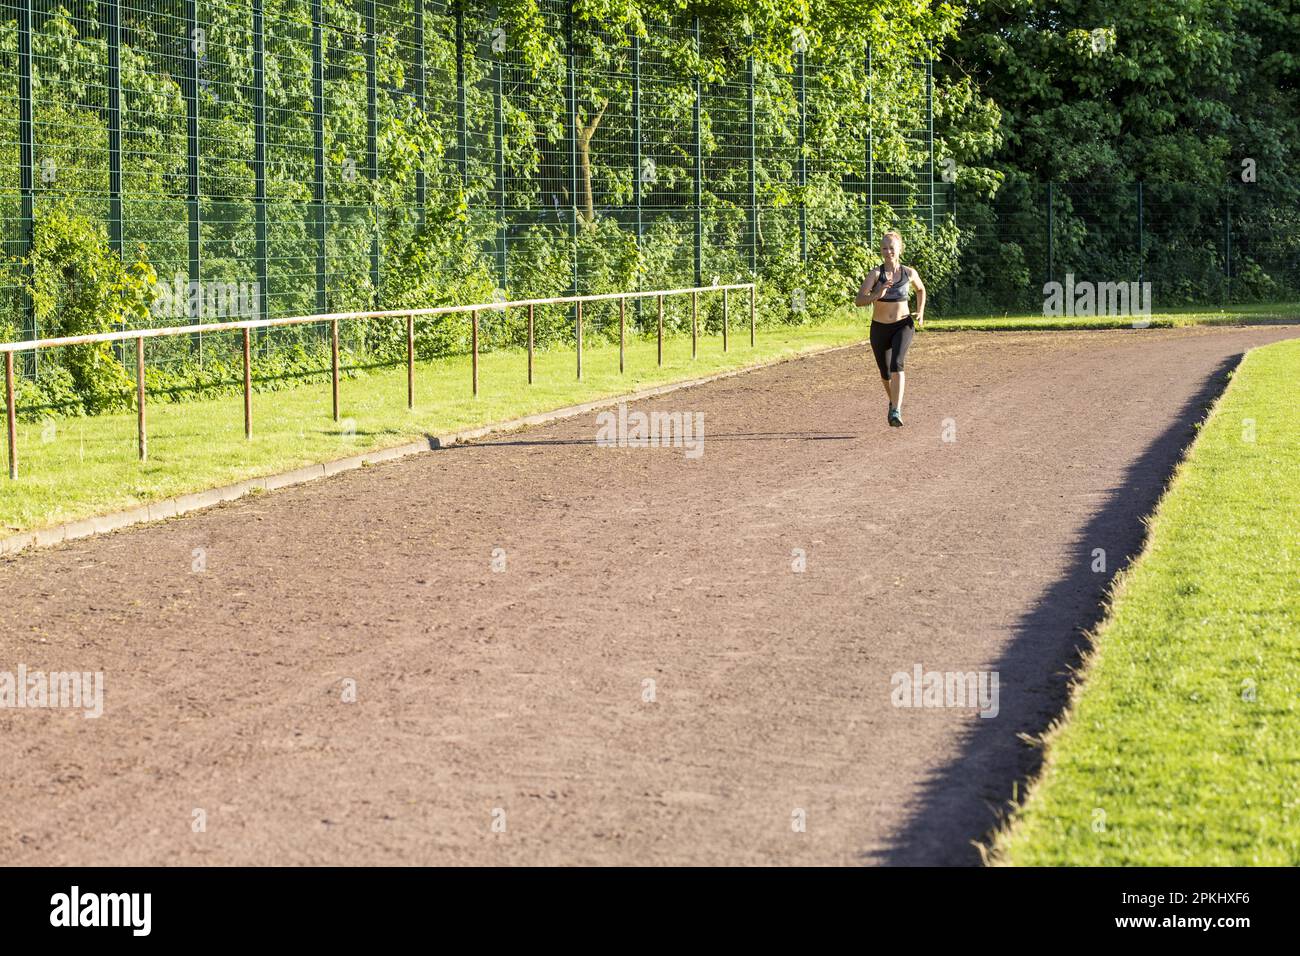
(519, 695)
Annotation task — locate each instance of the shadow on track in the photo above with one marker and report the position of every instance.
(963, 802)
(756, 436)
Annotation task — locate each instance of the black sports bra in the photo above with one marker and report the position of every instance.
(901, 287)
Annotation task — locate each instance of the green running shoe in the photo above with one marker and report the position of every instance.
(895, 418)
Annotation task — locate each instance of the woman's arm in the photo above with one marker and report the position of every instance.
(920, 298)
(868, 294)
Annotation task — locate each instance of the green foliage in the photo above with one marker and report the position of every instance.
(1173, 96)
(52, 392)
(223, 374)
(78, 286)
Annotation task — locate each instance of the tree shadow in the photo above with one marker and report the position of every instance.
(962, 803)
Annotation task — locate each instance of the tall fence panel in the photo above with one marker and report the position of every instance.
(1232, 245)
(272, 158)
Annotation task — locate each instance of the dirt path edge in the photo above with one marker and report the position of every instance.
(179, 505)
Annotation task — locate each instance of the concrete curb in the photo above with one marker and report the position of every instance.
(199, 500)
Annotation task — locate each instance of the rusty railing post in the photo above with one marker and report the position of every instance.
(248, 386)
(530, 344)
(474, 347)
(661, 330)
(753, 295)
(11, 417)
(724, 319)
(579, 340)
(622, 331)
(139, 397)
(695, 309)
(334, 363)
(410, 361)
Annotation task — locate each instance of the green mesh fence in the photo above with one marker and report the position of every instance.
(1196, 246)
(288, 157)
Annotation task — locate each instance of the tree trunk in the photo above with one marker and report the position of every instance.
(584, 154)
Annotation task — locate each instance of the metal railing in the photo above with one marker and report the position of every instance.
(411, 315)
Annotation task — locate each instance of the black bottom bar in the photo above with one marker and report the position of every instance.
(944, 907)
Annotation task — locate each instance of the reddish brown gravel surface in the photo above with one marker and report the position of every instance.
(645, 677)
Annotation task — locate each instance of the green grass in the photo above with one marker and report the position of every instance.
(1163, 737)
(1159, 319)
(75, 468)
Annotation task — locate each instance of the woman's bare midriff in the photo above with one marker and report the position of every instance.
(889, 312)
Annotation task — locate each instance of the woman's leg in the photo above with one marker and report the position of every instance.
(881, 337)
(901, 339)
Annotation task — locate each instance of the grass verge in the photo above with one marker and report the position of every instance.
(75, 468)
(1182, 743)
(1237, 315)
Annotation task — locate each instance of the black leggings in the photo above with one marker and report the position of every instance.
(889, 340)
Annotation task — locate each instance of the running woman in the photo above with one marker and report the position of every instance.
(887, 288)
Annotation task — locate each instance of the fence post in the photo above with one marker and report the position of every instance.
(420, 101)
(1141, 225)
(871, 172)
(248, 385)
(929, 112)
(753, 175)
(661, 330)
(194, 209)
(1227, 233)
(695, 325)
(474, 348)
(636, 133)
(318, 148)
(579, 305)
(802, 94)
(11, 417)
(573, 141)
(26, 157)
(372, 147)
(637, 171)
(699, 163)
(622, 331)
(753, 296)
(499, 131)
(334, 365)
(724, 319)
(462, 125)
(259, 161)
(410, 361)
(1050, 239)
(112, 24)
(139, 397)
(530, 344)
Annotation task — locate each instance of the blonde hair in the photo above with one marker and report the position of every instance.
(894, 235)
